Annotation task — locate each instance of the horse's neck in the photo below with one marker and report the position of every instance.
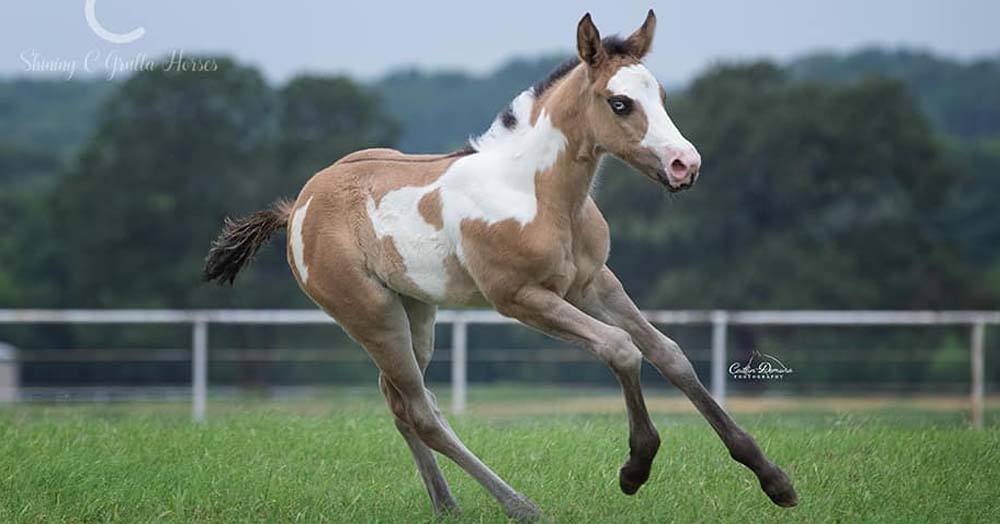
(566, 184)
(545, 153)
(565, 187)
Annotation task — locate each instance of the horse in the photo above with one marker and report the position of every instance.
(380, 239)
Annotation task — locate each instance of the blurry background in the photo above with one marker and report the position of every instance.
(851, 155)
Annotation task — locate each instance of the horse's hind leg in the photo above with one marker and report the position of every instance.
(421, 320)
(430, 472)
(374, 316)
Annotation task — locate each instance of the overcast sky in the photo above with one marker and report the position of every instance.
(367, 38)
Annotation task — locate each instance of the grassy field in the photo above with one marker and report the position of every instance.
(340, 460)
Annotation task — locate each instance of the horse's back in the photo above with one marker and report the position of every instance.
(375, 172)
(391, 155)
(337, 221)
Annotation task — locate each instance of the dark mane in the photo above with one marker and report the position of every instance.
(614, 45)
(507, 115)
(465, 150)
(560, 71)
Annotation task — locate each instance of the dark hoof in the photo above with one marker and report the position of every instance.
(448, 512)
(779, 488)
(523, 511)
(632, 476)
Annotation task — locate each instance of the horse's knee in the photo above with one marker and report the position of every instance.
(618, 350)
(680, 368)
(668, 357)
(628, 359)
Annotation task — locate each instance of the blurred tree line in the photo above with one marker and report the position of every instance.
(865, 181)
(125, 221)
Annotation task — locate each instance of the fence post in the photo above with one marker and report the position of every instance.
(459, 359)
(9, 374)
(199, 369)
(720, 322)
(978, 334)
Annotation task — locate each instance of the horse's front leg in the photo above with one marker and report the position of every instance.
(548, 312)
(607, 300)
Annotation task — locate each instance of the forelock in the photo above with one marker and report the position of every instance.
(615, 45)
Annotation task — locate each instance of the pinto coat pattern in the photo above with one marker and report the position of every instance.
(380, 238)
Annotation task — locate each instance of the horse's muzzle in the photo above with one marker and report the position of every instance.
(674, 185)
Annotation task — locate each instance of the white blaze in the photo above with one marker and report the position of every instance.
(298, 247)
(639, 84)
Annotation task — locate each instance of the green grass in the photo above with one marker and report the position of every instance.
(260, 463)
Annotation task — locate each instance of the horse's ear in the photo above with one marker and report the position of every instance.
(588, 42)
(641, 41)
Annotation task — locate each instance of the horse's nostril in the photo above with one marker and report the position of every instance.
(678, 167)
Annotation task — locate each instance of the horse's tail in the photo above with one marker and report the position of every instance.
(240, 239)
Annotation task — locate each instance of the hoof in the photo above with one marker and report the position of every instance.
(779, 488)
(632, 476)
(444, 504)
(523, 511)
(448, 512)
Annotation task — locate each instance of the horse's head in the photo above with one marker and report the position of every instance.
(624, 106)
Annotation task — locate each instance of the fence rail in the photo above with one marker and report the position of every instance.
(719, 320)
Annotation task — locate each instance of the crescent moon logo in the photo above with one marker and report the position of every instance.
(90, 11)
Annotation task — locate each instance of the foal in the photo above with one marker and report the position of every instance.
(379, 239)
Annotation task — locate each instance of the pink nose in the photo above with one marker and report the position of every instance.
(684, 165)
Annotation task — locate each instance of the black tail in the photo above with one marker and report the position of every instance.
(239, 241)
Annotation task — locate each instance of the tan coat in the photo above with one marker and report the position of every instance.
(380, 238)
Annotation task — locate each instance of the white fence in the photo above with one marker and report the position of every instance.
(199, 320)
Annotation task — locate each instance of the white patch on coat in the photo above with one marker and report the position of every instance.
(639, 84)
(298, 246)
(422, 247)
(496, 183)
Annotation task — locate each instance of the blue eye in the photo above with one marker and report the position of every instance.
(621, 105)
